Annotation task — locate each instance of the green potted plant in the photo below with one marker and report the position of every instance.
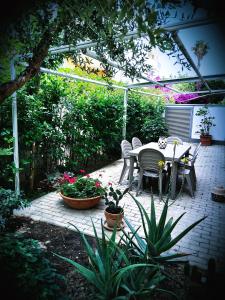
(82, 191)
(205, 125)
(114, 213)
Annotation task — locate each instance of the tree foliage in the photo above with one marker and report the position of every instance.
(68, 22)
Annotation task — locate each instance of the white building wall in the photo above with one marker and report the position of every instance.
(216, 110)
(217, 132)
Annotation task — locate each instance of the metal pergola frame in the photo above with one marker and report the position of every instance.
(174, 30)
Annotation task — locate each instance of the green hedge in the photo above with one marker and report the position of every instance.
(68, 125)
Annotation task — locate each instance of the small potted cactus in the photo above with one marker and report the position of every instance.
(114, 213)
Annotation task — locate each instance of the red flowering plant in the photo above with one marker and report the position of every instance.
(81, 186)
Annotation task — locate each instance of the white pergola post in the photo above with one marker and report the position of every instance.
(15, 131)
(125, 113)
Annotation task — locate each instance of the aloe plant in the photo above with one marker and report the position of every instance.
(142, 283)
(111, 271)
(157, 238)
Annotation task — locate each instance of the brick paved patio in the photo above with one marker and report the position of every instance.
(203, 242)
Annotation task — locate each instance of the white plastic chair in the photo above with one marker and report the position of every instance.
(126, 147)
(136, 143)
(171, 139)
(187, 170)
(149, 166)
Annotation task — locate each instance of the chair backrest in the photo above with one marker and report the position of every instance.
(136, 142)
(171, 139)
(149, 159)
(126, 147)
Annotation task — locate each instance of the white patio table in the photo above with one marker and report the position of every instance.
(180, 151)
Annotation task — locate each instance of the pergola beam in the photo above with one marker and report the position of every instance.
(207, 93)
(149, 94)
(92, 54)
(204, 92)
(15, 131)
(79, 78)
(162, 83)
(125, 100)
(196, 23)
(173, 29)
(133, 34)
(178, 80)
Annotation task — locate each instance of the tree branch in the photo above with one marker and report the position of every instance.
(39, 54)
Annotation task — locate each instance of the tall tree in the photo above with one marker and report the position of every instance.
(35, 28)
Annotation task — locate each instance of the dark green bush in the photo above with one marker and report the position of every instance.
(66, 125)
(8, 202)
(25, 272)
(144, 118)
(6, 155)
(154, 128)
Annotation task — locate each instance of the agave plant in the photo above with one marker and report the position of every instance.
(142, 283)
(157, 236)
(111, 271)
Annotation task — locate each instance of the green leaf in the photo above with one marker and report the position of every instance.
(148, 231)
(140, 241)
(169, 257)
(6, 151)
(162, 220)
(153, 231)
(120, 273)
(88, 274)
(181, 235)
(167, 231)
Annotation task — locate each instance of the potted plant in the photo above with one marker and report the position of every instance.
(114, 212)
(205, 124)
(82, 191)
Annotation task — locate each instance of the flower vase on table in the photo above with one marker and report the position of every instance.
(162, 142)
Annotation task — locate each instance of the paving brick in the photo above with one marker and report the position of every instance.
(205, 240)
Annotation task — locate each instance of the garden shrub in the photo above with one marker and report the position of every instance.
(144, 118)
(6, 152)
(25, 272)
(66, 125)
(8, 202)
(153, 128)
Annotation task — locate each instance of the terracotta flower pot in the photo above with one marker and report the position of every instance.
(112, 219)
(206, 140)
(79, 203)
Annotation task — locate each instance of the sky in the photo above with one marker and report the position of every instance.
(213, 34)
(212, 63)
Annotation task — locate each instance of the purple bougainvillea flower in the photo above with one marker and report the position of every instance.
(184, 98)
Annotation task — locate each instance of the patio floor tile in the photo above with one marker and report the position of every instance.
(205, 241)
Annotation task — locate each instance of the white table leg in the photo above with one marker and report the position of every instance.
(174, 180)
(131, 172)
